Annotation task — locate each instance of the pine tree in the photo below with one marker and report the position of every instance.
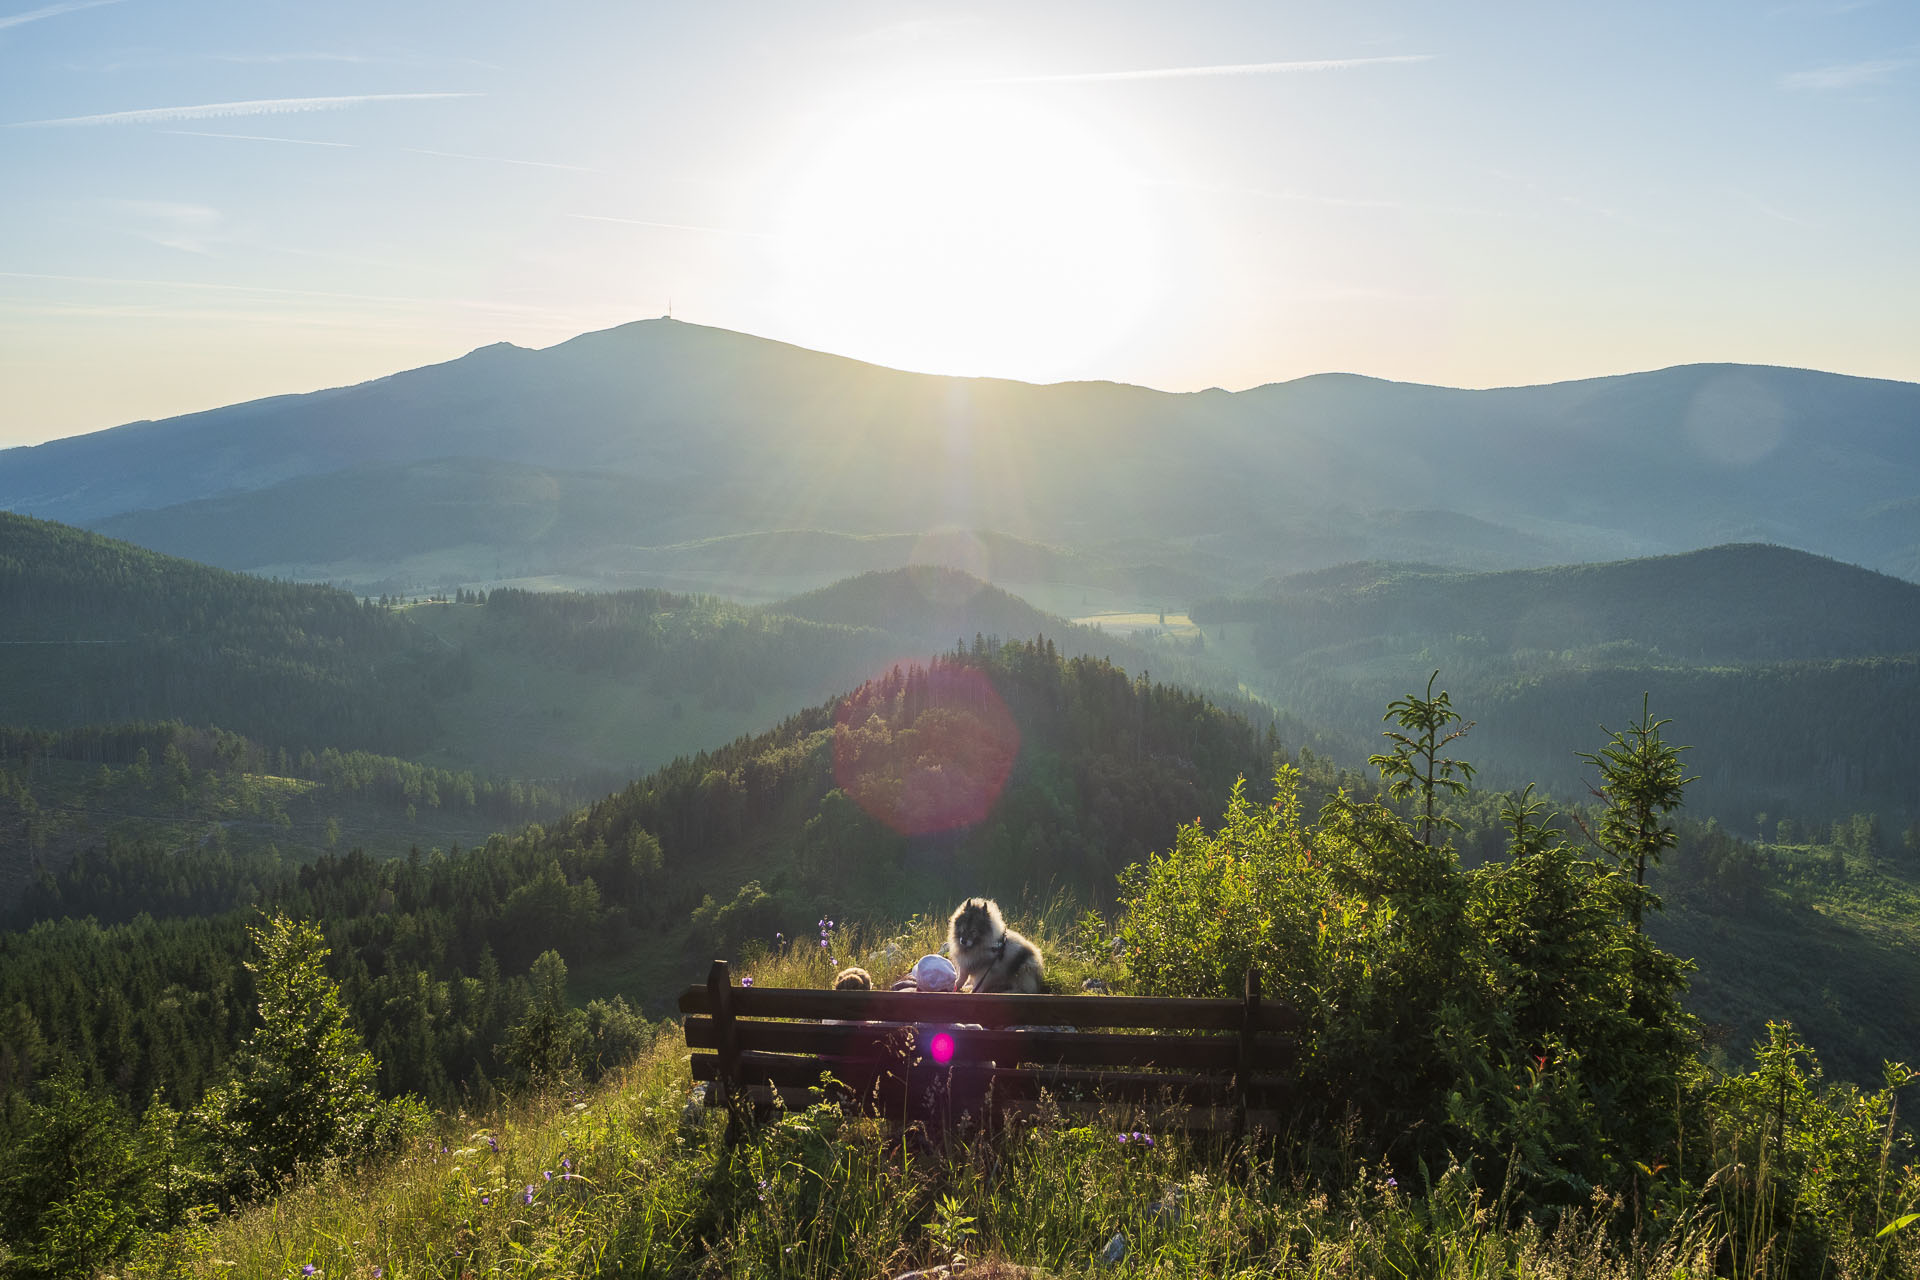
(1414, 768)
(302, 1089)
(1641, 782)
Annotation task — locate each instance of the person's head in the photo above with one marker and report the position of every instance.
(934, 973)
(853, 978)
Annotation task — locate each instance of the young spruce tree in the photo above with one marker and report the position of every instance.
(302, 1090)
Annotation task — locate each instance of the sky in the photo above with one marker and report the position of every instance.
(205, 203)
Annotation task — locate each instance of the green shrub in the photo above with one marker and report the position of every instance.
(1512, 1017)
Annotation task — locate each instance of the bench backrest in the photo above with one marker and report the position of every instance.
(1205, 1064)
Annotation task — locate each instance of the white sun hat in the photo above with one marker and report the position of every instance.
(934, 973)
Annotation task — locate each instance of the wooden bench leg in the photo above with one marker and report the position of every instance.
(720, 1007)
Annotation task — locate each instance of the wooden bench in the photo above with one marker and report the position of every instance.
(1213, 1065)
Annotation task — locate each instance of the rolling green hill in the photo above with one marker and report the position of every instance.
(1737, 603)
(537, 685)
(96, 631)
(1789, 673)
(619, 683)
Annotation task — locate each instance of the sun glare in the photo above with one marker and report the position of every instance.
(969, 233)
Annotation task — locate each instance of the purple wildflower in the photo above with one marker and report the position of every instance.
(747, 981)
(494, 1143)
(527, 1196)
(566, 1162)
(309, 1270)
(1393, 1184)
(547, 1174)
(485, 1200)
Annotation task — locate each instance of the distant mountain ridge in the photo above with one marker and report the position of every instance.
(720, 433)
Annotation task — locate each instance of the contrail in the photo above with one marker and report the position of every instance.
(1223, 69)
(51, 11)
(254, 107)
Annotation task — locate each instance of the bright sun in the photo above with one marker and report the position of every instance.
(969, 232)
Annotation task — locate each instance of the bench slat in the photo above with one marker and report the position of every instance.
(862, 1077)
(1074, 1048)
(1161, 1013)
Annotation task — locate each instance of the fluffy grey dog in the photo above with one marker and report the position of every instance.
(994, 956)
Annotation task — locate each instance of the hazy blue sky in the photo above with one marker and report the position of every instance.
(202, 203)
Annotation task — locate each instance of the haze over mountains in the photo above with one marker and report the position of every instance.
(620, 454)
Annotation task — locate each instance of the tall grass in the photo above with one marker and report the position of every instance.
(626, 1180)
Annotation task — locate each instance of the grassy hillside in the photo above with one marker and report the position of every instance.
(626, 1178)
(1813, 933)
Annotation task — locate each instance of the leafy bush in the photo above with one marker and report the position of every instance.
(1513, 1017)
(1807, 1173)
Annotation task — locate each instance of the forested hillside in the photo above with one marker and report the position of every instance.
(1084, 769)
(1736, 603)
(1788, 672)
(94, 631)
(112, 820)
(590, 682)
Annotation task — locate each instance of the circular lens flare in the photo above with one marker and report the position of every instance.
(940, 1048)
(925, 749)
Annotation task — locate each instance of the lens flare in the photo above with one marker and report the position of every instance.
(925, 749)
(940, 1048)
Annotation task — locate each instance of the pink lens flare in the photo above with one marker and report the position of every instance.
(940, 1048)
(925, 749)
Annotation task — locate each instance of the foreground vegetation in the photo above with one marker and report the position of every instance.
(624, 1179)
(1496, 1076)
